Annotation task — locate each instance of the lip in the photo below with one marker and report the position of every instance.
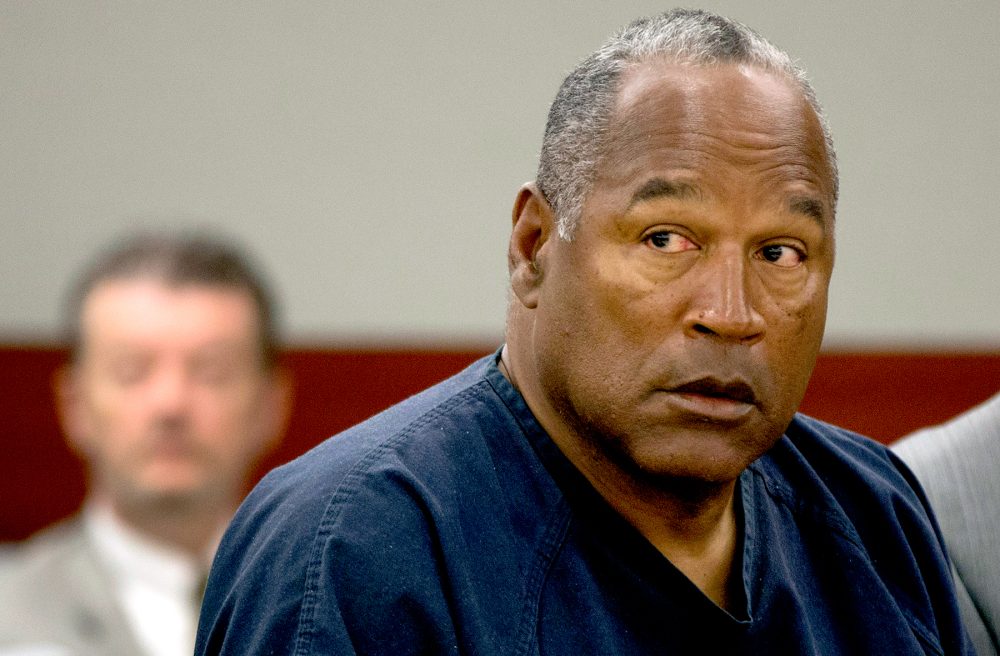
(709, 399)
(711, 408)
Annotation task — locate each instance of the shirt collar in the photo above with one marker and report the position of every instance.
(129, 554)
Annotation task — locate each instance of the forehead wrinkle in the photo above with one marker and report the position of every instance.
(671, 119)
(692, 147)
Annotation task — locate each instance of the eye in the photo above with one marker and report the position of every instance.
(130, 370)
(670, 242)
(782, 255)
(214, 371)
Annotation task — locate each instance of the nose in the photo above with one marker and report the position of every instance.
(170, 391)
(723, 302)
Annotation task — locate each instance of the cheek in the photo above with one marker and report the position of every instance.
(633, 305)
(795, 334)
(225, 416)
(810, 313)
(595, 330)
(117, 416)
(112, 432)
(796, 305)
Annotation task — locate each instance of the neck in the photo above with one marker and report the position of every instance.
(700, 536)
(692, 523)
(192, 530)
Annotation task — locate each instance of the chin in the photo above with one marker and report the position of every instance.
(174, 475)
(695, 457)
(175, 493)
(692, 472)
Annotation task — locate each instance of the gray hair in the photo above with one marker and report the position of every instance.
(575, 133)
(176, 260)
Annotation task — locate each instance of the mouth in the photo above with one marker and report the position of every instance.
(711, 399)
(736, 390)
(171, 444)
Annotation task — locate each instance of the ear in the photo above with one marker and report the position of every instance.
(71, 409)
(534, 225)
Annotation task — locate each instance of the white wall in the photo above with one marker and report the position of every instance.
(369, 152)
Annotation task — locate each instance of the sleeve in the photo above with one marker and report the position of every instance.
(356, 573)
(257, 588)
(888, 509)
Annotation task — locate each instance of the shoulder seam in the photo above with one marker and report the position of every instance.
(306, 624)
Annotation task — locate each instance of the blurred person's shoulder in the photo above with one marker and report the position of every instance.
(37, 555)
(34, 575)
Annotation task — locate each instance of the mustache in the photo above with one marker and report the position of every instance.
(169, 430)
(736, 390)
(170, 427)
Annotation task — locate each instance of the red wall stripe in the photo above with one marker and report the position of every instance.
(883, 395)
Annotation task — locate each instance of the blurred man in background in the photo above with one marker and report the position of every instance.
(171, 396)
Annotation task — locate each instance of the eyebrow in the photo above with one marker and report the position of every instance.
(660, 188)
(810, 207)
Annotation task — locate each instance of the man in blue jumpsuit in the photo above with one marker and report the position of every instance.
(627, 475)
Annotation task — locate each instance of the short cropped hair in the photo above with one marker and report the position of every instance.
(578, 119)
(176, 260)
